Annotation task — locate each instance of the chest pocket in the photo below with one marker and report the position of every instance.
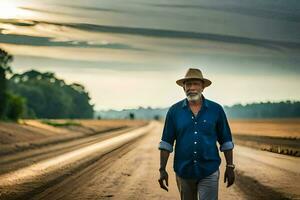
(207, 126)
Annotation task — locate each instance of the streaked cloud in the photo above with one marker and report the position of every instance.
(90, 8)
(249, 49)
(273, 11)
(46, 41)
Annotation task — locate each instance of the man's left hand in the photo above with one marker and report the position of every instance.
(229, 176)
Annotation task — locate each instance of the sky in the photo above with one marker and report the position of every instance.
(129, 53)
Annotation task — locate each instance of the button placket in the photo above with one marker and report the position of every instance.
(195, 139)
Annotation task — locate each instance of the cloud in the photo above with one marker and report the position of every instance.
(68, 10)
(47, 41)
(256, 11)
(27, 62)
(274, 45)
(46, 34)
(89, 8)
(249, 49)
(46, 11)
(270, 44)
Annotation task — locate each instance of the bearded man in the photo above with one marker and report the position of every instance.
(196, 124)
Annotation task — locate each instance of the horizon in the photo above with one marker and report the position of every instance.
(244, 104)
(249, 50)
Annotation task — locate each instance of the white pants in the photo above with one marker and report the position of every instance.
(205, 189)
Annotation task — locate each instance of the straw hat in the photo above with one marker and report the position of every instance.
(193, 73)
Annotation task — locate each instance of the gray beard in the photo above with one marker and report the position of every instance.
(194, 97)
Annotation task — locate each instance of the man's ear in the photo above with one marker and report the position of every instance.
(202, 89)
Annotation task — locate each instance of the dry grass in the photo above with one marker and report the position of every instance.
(99, 124)
(33, 130)
(275, 135)
(267, 127)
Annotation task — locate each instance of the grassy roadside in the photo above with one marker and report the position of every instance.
(282, 145)
(61, 124)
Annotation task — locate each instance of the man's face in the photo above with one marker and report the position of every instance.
(193, 89)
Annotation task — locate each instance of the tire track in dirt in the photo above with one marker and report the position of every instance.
(9, 189)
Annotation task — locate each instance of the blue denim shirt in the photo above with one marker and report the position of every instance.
(196, 152)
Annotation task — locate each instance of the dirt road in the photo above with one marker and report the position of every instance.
(267, 175)
(132, 176)
(131, 172)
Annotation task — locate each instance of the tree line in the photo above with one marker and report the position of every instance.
(283, 109)
(33, 94)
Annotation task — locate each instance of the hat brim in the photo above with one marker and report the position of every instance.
(206, 82)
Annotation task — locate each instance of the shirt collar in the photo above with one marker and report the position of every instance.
(185, 102)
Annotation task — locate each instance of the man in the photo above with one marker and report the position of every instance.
(196, 124)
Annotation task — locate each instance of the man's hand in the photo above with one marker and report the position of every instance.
(229, 176)
(163, 176)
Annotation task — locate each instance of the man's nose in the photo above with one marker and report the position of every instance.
(193, 87)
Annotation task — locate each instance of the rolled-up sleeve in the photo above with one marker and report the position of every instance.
(224, 132)
(168, 135)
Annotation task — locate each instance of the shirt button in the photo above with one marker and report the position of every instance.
(195, 132)
(192, 117)
(195, 142)
(195, 161)
(195, 122)
(195, 152)
(204, 120)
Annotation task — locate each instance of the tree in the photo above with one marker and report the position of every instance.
(156, 117)
(131, 116)
(15, 107)
(49, 97)
(5, 60)
(287, 109)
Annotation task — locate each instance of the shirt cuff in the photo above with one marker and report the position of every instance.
(226, 146)
(165, 146)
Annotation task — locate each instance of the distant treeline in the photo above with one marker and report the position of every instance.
(287, 109)
(284, 109)
(33, 94)
(139, 113)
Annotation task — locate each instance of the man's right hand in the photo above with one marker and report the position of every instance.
(164, 177)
